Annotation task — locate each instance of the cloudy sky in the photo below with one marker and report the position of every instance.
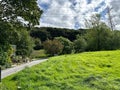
(72, 13)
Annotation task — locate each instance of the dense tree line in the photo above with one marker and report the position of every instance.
(92, 40)
(45, 33)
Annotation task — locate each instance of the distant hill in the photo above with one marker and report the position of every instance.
(49, 33)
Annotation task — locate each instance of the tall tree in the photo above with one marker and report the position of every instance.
(98, 37)
(10, 10)
(110, 19)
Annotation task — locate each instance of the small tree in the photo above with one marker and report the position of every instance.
(80, 44)
(99, 35)
(99, 39)
(53, 47)
(67, 45)
(38, 44)
(24, 44)
(115, 41)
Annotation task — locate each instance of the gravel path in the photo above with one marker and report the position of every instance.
(15, 69)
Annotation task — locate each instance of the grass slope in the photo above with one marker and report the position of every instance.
(85, 71)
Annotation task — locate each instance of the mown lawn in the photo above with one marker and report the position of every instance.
(85, 71)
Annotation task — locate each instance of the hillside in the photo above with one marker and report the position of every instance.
(84, 71)
(49, 33)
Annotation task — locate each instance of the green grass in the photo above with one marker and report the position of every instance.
(85, 71)
(38, 54)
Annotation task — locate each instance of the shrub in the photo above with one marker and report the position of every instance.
(67, 45)
(53, 47)
(115, 41)
(24, 44)
(38, 44)
(80, 44)
(5, 57)
(98, 38)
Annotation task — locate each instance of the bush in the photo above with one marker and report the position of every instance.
(80, 44)
(24, 44)
(115, 41)
(98, 38)
(67, 45)
(53, 47)
(38, 44)
(5, 57)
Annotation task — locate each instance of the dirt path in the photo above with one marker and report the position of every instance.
(13, 70)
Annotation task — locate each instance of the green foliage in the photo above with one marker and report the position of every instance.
(28, 10)
(5, 57)
(67, 45)
(80, 44)
(6, 30)
(10, 10)
(24, 44)
(45, 33)
(38, 44)
(98, 39)
(115, 41)
(41, 34)
(53, 47)
(84, 71)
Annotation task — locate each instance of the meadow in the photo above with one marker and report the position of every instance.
(84, 71)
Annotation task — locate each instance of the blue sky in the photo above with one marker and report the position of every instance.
(72, 13)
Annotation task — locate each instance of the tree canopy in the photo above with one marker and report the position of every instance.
(10, 10)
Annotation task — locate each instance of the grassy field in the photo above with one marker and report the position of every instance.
(85, 71)
(38, 54)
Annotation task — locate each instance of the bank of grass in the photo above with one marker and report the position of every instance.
(85, 71)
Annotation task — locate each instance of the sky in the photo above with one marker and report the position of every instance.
(72, 13)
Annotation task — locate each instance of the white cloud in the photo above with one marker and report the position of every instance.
(66, 13)
(115, 4)
(59, 14)
(43, 1)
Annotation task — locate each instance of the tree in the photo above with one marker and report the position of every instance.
(80, 44)
(98, 39)
(10, 10)
(45, 33)
(38, 44)
(42, 34)
(67, 45)
(5, 59)
(110, 18)
(93, 22)
(6, 30)
(99, 35)
(53, 47)
(115, 41)
(24, 44)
